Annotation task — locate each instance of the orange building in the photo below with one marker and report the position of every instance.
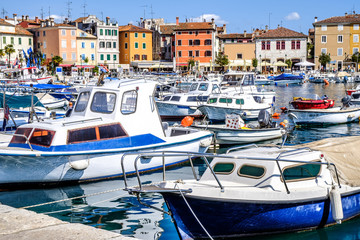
(54, 39)
(194, 40)
(135, 44)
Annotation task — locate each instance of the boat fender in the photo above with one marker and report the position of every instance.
(282, 124)
(206, 142)
(336, 205)
(187, 121)
(326, 82)
(79, 164)
(276, 115)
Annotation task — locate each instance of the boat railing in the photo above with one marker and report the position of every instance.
(204, 157)
(241, 147)
(82, 121)
(23, 136)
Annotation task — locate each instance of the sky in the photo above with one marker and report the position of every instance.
(238, 15)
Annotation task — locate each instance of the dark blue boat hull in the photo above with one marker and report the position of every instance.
(236, 219)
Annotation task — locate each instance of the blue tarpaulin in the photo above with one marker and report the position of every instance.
(286, 76)
(46, 86)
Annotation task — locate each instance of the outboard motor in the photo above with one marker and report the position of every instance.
(264, 119)
(346, 101)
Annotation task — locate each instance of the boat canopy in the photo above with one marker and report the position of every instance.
(45, 86)
(287, 76)
(14, 101)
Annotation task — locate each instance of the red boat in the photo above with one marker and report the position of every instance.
(308, 103)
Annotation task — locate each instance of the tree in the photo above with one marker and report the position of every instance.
(86, 60)
(254, 63)
(9, 49)
(324, 59)
(191, 63)
(222, 60)
(2, 53)
(288, 63)
(55, 61)
(310, 50)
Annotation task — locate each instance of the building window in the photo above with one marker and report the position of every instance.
(239, 56)
(44, 44)
(125, 35)
(323, 39)
(197, 42)
(114, 57)
(38, 45)
(144, 45)
(340, 38)
(108, 44)
(207, 53)
(190, 42)
(108, 57)
(136, 45)
(38, 34)
(101, 44)
(179, 42)
(292, 44)
(179, 53)
(64, 56)
(197, 53)
(144, 57)
(106, 32)
(136, 35)
(82, 44)
(114, 44)
(355, 50)
(63, 43)
(144, 35)
(323, 27)
(263, 45)
(115, 31)
(268, 45)
(72, 32)
(190, 53)
(30, 42)
(101, 32)
(208, 42)
(126, 45)
(136, 57)
(102, 57)
(19, 41)
(44, 33)
(339, 51)
(73, 43)
(340, 27)
(297, 44)
(323, 50)
(278, 45)
(12, 40)
(356, 26)
(4, 40)
(73, 56)
(92, 57)
(92, 45)
(356, 38)
(282, 45)
(63, 32)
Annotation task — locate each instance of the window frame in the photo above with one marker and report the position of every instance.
(122, 102)
(224, 173)
(301, 179)
(249, 176)
(102, 112)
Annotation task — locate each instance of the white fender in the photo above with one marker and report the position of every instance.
(79, 164)
(336, 205)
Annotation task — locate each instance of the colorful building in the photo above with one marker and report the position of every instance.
(135, 45)
(338, 37)
(86, 48)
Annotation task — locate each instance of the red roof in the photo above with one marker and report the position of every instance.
(132, 28)
(352, 18)
(195, 26)
(235, 36)
(282, 32)
(167, 29)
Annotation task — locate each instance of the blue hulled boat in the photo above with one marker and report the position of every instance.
(287, 78)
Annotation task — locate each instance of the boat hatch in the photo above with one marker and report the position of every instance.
(96, 133)
(36, 136)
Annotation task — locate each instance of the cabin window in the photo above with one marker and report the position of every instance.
(248, 80)
(167, 98)
(82, 102)
(96, 133)
(129, 102)
(193, 86)
(301, 172)
(197, 99)
(212, 100)
(203, 87)
(224, 168)
(225, 100)
(39, 137)
(251, 171)
(103, 102)
(240, 101)
(175, 98)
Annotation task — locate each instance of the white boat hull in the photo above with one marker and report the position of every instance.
(168, 110)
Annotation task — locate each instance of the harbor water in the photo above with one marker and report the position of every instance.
(108, 207)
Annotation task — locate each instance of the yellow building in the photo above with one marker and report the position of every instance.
(135, 44)
(338, 37)
(86, 48)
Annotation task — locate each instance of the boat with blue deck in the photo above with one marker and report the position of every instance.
(287, 78)
(253, 190)
(106, 122)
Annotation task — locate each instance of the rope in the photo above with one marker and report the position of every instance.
(69, 199)
(207, 233)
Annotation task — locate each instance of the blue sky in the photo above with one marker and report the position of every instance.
(238, 15)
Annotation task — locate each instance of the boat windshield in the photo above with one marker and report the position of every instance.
(103, 102)
(82, 102)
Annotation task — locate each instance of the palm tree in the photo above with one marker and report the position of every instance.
(222, 60)
(9, 49)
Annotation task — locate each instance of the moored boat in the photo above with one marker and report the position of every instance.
(312, 103)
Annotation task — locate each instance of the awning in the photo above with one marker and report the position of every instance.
(85, 66)
(65, 65)
(280, 64)
(304, 64)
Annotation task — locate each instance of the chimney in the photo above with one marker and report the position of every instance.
(142, 23)
(244, 33)
(36, 19)
(266, 27)
(22, 18)
(315, 19)
(15, 18)
(27, 17)
(278, 25)
(66, 21)
(107, 20)
(52, 22)
(6, 17)
(212, 20)
(177, 20)
(224, 27)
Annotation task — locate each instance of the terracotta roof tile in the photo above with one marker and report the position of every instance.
(234, 35)
(132, 28)
(281, 32)
(195, 26)
(18, 31)
(63, 25)
(80, 19)
(353, 18)
(167, 29)
(3, 22)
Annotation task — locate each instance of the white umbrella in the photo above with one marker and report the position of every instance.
(305, 64)
(280, 64)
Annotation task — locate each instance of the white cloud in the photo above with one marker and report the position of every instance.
(293, 16)
(57, 18)
(208, 18)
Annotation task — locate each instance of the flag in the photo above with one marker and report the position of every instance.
(6, 117)
(29, 51)
(24, 54)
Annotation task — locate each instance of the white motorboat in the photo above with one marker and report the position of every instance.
(106, 122)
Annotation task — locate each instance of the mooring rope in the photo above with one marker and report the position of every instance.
(193, 213)
(73, 198)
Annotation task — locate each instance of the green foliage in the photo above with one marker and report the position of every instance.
(2, 53)
(356, 57)
(310, 50)
(55, 61)
(254, 62)
(288, 63)
(222, 60)
(9, 49)
(324, 59)
(96, 69)
(86, 60)
(191, 63)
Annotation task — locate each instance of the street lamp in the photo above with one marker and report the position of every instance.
(80, 63)
(260, 64)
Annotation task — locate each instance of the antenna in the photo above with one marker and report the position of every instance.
(42, 13)
(102, 16)
(3, 12)
(269, 19)
(145, 6)
(84, 6)
(68, 3)
(49, 12)
(151, 12)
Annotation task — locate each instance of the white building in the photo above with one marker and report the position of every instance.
(278, 45)
(19, 37)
